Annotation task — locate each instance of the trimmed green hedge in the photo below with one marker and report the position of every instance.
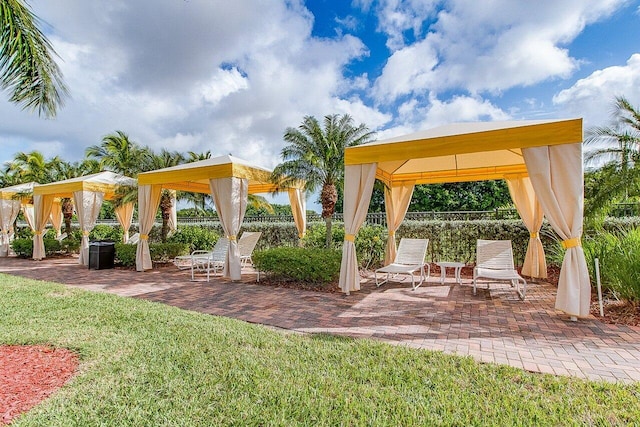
(160, 252)
(312, 266)
(24, 247)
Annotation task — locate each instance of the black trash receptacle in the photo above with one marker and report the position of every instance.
(101, 254)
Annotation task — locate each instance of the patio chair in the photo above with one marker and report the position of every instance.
(206, 261)
(495, 263)
(61, 237)
(409, 260)
(133, 239)
(247, 244)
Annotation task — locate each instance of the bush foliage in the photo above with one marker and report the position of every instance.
(312, 266)
(24, 247)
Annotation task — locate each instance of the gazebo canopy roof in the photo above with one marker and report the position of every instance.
(103, 182)
(9, 193)
(462, 151)
(194, 177)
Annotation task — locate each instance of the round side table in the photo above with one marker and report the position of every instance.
(457, 266)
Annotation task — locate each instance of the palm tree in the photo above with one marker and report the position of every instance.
(316, 156)
(617, 156)
(65, 170)
(162, 160)
(27, 68)
(119, 154)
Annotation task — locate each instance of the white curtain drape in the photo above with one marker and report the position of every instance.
(396, 203)
(173, 217)
(9, 210)
(148, 202)
(530, 210)
(230, 199)
(358, 185)
(87, 205)
(29, 212)
(298, 209)
(557, 177)
(56, 216)
(41, 211)
(124, 214)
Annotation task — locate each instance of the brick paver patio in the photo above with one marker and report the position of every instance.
(494, 326)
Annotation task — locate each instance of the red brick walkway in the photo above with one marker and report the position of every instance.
(494, 326)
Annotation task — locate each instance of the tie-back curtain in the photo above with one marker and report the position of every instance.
(557, 176)
(41, 211)
(124, 214)
(87, 205)
(230, 199)
(396, 203)
(9, 210)
(358, 185)
(527, 205)
(56, 216)
(148, 202)
(298, 209)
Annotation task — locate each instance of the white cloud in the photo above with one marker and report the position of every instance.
(593, 97)
(186, 75)
(484, 46)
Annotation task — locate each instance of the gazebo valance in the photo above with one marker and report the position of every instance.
(88, 192)
(541, 161)
(229, 180)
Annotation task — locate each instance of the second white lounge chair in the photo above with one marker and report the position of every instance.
(206, 261)
(494, 262)
(246, 244)
(409, 260)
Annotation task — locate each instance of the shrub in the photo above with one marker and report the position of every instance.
(312, 266)
(618, 253)
(126, 254)
(106, 232)
(24, 247)
(196, 237)
(165, 252)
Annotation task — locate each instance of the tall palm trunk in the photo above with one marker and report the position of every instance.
(328, 199)
(67, 214)
(165, 209)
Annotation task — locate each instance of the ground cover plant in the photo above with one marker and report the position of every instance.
(144, 363)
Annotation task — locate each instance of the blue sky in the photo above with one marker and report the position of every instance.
(229, 77)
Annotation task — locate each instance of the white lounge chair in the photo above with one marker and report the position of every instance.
(494, 262)
(61, 237)
(206, 261)
(246, 244)
(409, 260)
(133, 239)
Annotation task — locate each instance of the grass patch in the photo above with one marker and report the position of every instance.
(146, 364)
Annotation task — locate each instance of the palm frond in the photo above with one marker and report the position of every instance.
(27, 68)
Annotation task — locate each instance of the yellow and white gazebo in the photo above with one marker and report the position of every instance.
(229, 180)
(541, 160)
(88, 192)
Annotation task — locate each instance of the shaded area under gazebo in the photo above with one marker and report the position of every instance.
(88, 192)
(229, 180)
(541, 161)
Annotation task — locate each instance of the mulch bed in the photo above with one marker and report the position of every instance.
(29, 374)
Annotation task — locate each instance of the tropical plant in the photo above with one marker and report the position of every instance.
(315, 156)
(615, 154)
(27, 69)
(119, 154)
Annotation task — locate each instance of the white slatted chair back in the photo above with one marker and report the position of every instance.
(411, 251)
(495, 254)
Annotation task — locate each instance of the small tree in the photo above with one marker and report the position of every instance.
(315, 155)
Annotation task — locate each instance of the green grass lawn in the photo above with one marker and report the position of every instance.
(144, 363)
